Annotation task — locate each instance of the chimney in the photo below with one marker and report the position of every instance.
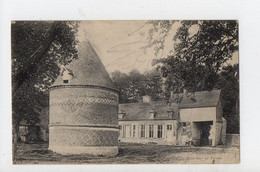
(185, 92)
(146, 99)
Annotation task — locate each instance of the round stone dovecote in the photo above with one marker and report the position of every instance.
(84, 107)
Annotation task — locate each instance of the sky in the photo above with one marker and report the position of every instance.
(120, 44)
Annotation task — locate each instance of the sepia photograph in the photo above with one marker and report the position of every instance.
(125, 92)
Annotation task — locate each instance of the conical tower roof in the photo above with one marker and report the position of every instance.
(86, 70)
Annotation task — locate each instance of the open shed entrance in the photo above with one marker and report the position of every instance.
(201, 133)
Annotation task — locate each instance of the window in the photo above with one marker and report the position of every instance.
(159, 133)
(151, 131)
(133, 130)
(184, 128)
(169, 127)
(65, 81)
(120, 131)
(127, 131)
(142, 130)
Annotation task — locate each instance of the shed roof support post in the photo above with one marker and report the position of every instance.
(214, 129)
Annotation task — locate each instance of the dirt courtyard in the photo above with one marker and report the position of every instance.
(132, 154)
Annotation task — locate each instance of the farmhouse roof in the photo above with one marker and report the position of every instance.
(87, 69)
(141, 111)
(201, 99)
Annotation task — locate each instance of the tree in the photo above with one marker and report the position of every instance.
(153, 84)
(135, 85)
(38, 48)
(122, 83)
(229, 85)
(131, 86)
(200, 49)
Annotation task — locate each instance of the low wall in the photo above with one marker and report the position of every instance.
(233, 139)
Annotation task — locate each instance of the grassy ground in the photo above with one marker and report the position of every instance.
(131, 154)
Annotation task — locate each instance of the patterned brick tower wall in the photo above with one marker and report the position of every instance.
(83, 112)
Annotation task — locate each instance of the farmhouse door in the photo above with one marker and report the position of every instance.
(127, 131)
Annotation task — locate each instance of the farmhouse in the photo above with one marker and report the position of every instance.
(188, 118)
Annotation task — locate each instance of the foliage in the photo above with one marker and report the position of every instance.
(121, 81)
(229, 85)
(38, 48)
(154, 84)
(200, 50)
(135, 85)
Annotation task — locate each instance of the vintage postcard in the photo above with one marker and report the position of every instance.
(125, 92)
